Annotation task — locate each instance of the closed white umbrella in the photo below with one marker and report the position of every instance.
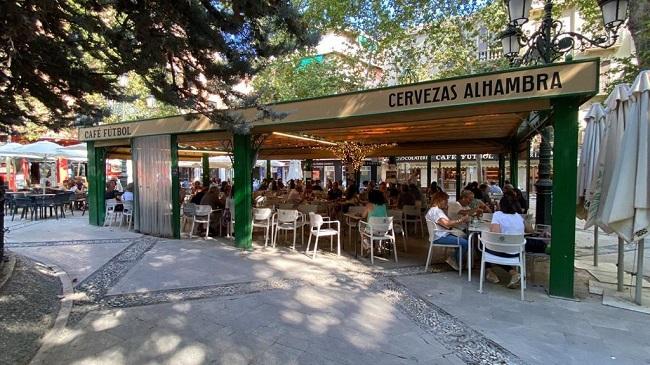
(12, 149)
(627, 208)
(43, 149)
(594, 133)
(616, 109)
(295, 170)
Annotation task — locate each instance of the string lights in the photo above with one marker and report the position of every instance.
(352, 154)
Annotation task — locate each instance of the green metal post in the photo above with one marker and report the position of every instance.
(176, 185)
(502, 170)
(205, 165)
(458, 177)
(243, 191)
(268, 169)
(428, 171)
(563, 209)
(514, 165)
(528, 185)
(96, 184)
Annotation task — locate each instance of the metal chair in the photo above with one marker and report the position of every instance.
(353, 224)
(432, 227)
(316, 222)
(412, 214)
(398, 223)
(111, 215)
(202, 215)
(127, 213)
(288, 220)
(262, 219)
(377, 229)
(511, 244)
(189, 209)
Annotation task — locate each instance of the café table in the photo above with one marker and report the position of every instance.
(355, 217)
(474, 229)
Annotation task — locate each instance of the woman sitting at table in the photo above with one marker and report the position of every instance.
(376, 206)
(295, 195)
(436, 214)
(507, 221)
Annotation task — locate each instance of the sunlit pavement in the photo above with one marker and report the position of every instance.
(142, 300)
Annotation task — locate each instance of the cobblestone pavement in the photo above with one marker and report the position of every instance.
(29, 303)
(203, 301)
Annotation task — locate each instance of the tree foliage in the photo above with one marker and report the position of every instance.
(301, 75)
(58, 56)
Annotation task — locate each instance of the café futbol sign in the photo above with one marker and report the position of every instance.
(578, 78)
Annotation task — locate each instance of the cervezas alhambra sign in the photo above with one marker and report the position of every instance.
(557, 80)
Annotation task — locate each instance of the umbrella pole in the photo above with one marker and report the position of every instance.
(621, 265)
(595, 245)
(638, 290)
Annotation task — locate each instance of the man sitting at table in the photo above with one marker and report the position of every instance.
(112, 193)
(461, 206)
(196, 199)
(335, 193)
(211, 198)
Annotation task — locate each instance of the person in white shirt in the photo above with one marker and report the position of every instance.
(494, 188)
(128, 194)
(437, 215)
(508, 221)
(460, 208)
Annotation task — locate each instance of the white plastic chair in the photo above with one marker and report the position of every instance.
(316, 222)
(262, 219)
(433, 228)
(127, 213)
(288, 220)
(377, 229)
(398, 223)
(513, 244)
(353, 223)
(412, 214)
(189, 209)
(202, 215)
(111, 215)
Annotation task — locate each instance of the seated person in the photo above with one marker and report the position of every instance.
(317, 186)
(335, 193)
(295, 195)
(416, 192)
(211, 197)
(112, 193)
(196, 198)
(436, 214)
(128, 193)
(507, 221)
(376, 206)
(405, 197)
(461, 206)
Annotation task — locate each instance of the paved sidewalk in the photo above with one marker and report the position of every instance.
(143, 300)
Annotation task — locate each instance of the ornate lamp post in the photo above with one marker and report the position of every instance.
(546, 45)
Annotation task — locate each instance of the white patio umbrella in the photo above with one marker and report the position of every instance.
(593, 137)
(43, 149)
(12, 150)
(627, 208)
(75, 152)
(295, 170)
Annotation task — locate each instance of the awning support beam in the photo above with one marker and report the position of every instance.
(243, 153)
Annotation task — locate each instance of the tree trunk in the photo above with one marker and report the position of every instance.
(639, 26)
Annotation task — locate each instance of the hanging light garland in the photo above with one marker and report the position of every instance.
(352, 154)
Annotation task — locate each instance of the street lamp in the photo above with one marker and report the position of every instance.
(544, 46)
(550, 42)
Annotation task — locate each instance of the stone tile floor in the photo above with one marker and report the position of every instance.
(194, 302)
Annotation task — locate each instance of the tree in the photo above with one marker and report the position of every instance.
(304, 75)
(57, 56)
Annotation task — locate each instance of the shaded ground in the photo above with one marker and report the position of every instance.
(29, 304)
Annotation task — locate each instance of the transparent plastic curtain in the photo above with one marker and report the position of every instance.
(153, 184)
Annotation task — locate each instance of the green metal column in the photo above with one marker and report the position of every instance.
(514, 165)
(268, 169)
(176, 185)
(458, 177)
(243, 191)
(565, 157)
(205, 166)
(502, 170)
(528, 185)
(428, 171)
(96, 183)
